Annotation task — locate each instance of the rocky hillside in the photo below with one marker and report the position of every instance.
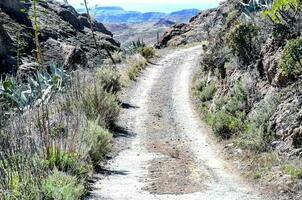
(65, 36)
(117, 15)
(249, 84)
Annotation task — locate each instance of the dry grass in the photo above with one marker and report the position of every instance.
(136, 64)
(52, 136)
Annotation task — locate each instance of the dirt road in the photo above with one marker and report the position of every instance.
(170, 155)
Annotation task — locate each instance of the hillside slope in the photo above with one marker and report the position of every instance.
(249, 86)
(65, 36)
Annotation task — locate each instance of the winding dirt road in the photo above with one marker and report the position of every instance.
(169, 155)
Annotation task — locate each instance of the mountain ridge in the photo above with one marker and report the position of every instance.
(118, 15)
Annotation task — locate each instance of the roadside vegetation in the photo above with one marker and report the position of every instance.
(138, 60)
(231, 101)
(56, 124)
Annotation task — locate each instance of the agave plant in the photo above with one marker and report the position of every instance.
(37, 89)
(256, 5)
(135, 46)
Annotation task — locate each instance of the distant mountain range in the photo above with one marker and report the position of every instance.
(117, 15)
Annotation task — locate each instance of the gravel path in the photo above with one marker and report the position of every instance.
(169, 156)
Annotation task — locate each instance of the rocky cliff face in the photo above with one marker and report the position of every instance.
(259, 68)
(200, 27)
(65, 36)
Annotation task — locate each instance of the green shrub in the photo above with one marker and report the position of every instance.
(147, 52)
(295, 172)
(225, 125)
(99, 104)
(61, 186)
(63, 161)
(291, 60)
(98, 140)
(136, 65)
(109, 78)
(279, 7)
(242, 41)
(257, 134)
(229, 114)
(207, 92)
(18, 180)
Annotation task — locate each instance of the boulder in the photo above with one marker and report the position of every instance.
(65, 36)
(68, 56)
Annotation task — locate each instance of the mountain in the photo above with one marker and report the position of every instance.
(182, 16)
(65, 36)
(117, 15)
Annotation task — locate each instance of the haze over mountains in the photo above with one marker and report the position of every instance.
(129, 26)
(117, 15)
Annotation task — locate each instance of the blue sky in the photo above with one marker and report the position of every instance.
(152, 5)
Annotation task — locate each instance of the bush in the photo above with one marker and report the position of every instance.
(280, 7)
(147, 52)
(295, 172)
(229, 115)
(18, 183)
(98, 140)
(99, 104)
(225, 125)
(109, 78)
(242, 41)
(257, 134)
(61, 186)
(206, 93)
(291, 60)
(63, 161)
(136, 65)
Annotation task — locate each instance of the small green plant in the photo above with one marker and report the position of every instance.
(98, 139)
(242, 41)
(61, 186)
(39, 89)
(294, 172)
(291, 60)
(207, 92)
(109, 78)
(225, 125)
(147, 52)
(17, 179)
(257, 134)
(229, 115)
(279, 12)
(99, 104)
(63, 161)
(136, 65)
(136, 45)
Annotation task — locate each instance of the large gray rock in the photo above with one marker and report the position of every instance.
(65, 36)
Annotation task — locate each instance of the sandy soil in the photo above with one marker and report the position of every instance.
(166, 152)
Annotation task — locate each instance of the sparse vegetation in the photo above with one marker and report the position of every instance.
(291, 60)
(98, 140)
(54, 162)
(136, 64)
(242, 41)
(295, 172)
(206, 92)
(61, 186)
(258, 134)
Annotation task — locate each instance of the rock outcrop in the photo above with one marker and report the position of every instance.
(262, 73)
(200, 27)
(65, 36)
